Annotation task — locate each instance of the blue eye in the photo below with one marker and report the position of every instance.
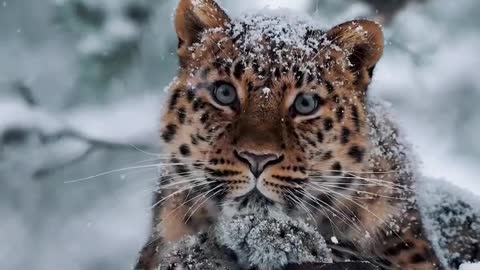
(306, 104)
(225, 94)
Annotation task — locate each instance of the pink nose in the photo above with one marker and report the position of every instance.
(258, 162)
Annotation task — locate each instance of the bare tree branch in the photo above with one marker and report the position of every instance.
(25, 92)
(95, 144)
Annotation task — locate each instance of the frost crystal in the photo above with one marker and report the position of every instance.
(272, 243)
(452, 219)
(277, 33)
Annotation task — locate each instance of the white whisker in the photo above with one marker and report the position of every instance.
(364, 208)
(152, 166)
(302, 205)
(180, 191)
(204, 201)
(336, 212)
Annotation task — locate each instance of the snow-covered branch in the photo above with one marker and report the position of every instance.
(120, 126)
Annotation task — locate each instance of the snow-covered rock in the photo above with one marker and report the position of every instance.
(270, 243)
(452, 219)
(255, 241)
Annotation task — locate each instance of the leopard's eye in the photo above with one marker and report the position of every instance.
(225, 94)
(306, 104)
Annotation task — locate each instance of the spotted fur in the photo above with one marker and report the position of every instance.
(327, 168)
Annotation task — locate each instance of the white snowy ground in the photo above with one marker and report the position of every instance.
(470, 266)
(429, 73)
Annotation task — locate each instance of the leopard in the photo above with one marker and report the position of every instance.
(269, 114)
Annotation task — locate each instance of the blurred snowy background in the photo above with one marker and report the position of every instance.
(81, 86)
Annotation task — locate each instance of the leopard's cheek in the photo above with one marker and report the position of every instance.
(285, 183)
(335, 148)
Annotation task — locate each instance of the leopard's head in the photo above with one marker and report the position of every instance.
(265, 107)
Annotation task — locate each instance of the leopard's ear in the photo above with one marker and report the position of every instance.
(363, 42)
(195, 16)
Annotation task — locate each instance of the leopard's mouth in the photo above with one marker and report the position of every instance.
(254, 202)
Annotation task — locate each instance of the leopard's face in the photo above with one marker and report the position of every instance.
(262, 111)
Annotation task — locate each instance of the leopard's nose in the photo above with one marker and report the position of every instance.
(258, 162)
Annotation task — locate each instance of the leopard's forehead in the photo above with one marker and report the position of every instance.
(274, 46)
(269, 58)
(273, 38)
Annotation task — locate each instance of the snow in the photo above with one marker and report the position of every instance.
(300, 5)
(271, 243)
(470, 266)
(120, 123)
(428, 73)
(126, 124)
(197, 3)
(251, 240)
(432, 82)
(17, 114)
(266, 92)
(444, 226)
(334, 240)
(115, 30)
(284, 29)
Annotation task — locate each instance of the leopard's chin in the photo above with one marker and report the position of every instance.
(253, 203)
(255, 198)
